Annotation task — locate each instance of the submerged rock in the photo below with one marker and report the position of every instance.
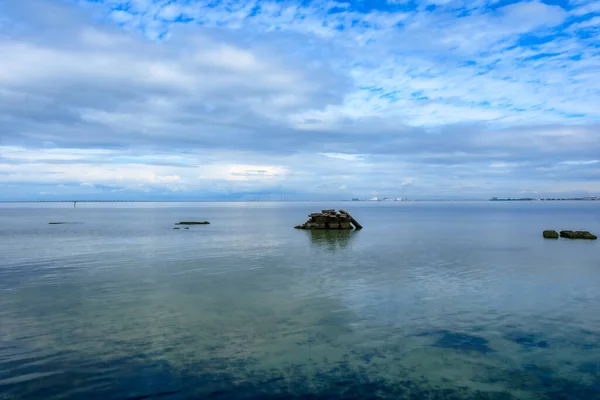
(578, 235)
(330, 219)
(529, 340)
(550, 234)
(176, 228)
(458, 341)
(194, 223)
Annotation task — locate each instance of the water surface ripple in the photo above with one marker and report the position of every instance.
(432, 300)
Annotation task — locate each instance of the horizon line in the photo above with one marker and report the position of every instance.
(231, 201)
(586, 198)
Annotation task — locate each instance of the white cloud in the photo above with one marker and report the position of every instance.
(587, 8)
(122, 17)
(590, 23)
(104, 167)
(345, 157)
(583, 162)
(257, 95)
(504, 165)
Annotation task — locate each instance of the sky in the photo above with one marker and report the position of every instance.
(252, 99)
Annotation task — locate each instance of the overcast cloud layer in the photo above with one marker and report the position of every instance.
(187, 99)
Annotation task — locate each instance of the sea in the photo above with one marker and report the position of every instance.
(431, 300)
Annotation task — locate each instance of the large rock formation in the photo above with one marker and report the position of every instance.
(578, 235)
(330, 219)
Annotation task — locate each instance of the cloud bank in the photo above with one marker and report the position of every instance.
(156, 99)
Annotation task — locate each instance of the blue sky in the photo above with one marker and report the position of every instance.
(186, 99)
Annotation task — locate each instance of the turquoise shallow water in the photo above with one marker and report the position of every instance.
(432, 300)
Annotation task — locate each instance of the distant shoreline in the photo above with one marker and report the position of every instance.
(300, 201)
(549, 199)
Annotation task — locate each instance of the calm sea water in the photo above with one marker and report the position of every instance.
(430, 301)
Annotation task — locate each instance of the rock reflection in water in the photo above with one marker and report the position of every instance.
(331, 239)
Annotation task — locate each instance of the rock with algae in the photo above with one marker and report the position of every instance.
(578, 235)
(549, 234)
(330, 219)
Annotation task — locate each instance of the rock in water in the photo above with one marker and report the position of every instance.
(330, 219)
(578, 235)
(550, 235)
(194, 223)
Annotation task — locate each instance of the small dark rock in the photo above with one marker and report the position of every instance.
(459, 341)
(550, 235)
(527, 340)
(175, 228)
(56, 223)
(578, 235)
